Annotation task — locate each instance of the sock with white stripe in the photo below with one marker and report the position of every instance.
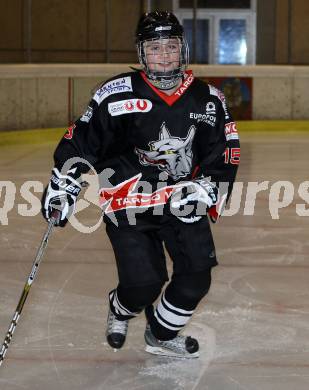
(128, 302)
(120, 311)
(166, 320)
(177, 304)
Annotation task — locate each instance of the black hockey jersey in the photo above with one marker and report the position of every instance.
(144, 135)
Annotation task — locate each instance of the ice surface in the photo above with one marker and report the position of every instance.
(252, 327)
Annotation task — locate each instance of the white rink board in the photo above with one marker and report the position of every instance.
(51, 95)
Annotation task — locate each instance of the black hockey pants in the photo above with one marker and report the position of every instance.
(142, 270)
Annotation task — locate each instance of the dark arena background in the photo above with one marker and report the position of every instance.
(253, 325)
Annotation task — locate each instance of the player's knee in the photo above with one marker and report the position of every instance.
(137, 298)
(189, 289)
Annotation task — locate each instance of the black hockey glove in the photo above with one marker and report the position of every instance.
(195, 192)
(60, 194)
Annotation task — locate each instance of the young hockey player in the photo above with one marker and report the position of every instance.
(161, 126)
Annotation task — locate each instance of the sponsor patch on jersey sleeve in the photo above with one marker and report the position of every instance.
(231, 131)
(129, 106)
(220, 95)
(122, 84)
(87, 115)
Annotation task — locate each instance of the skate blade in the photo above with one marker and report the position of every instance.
(167, 353)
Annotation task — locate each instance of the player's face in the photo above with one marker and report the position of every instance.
(163, 55)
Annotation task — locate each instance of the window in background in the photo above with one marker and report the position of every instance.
(202, 39)
(232, 45)
(225, 34)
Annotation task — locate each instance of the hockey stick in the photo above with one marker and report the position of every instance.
(27, 286)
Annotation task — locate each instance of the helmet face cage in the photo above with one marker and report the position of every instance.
(164, 59)
(162, 48)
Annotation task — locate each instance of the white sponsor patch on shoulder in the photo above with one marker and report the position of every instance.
(231, 131)
(129, 106)
(87, 115)
(123, 84)
(220, 95)
(216, 92)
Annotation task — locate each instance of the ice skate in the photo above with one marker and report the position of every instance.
(116, 331)
(184, 347)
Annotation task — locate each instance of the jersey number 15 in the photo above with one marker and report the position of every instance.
(232, 156)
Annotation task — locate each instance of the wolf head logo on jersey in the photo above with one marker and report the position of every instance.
(170, 154)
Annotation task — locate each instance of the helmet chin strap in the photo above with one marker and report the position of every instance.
(164, 85)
